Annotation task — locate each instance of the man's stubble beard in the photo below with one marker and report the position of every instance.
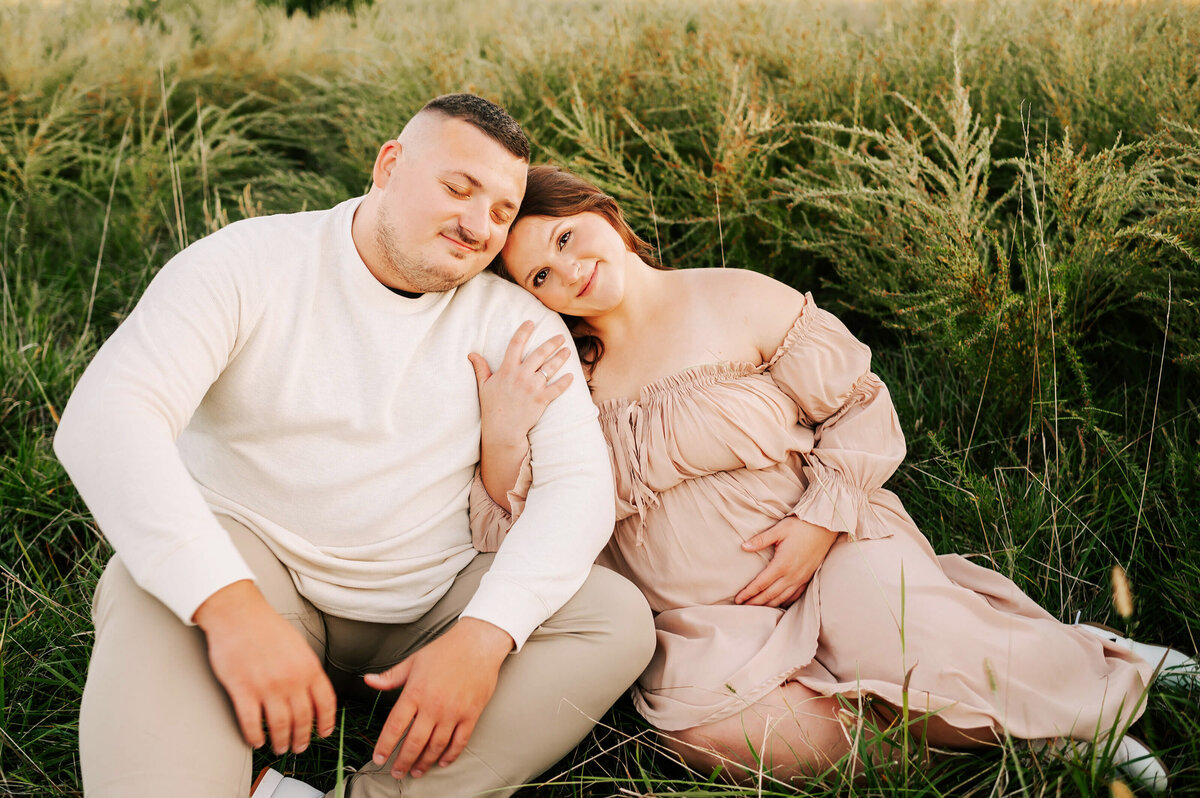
(417, 274)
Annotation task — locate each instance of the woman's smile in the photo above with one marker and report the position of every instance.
(587, 286)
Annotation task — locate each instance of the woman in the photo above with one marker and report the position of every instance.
(750, 443)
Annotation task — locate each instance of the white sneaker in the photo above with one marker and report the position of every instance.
(1176, 670)
(1135, 760)
(273, 784)
(1130, 756)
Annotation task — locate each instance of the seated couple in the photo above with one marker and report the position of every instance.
(283, 445)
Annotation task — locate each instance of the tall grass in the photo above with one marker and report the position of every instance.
(1000, 197)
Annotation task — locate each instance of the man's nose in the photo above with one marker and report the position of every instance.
(474, 220)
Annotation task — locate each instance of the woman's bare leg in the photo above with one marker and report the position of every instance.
(794, 733)
(936, 732)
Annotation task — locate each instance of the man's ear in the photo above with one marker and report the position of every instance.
(385, 162)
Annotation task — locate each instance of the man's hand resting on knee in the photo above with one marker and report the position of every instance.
(446, 686)
(267, 668)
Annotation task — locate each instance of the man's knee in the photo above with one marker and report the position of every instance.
(616, 611)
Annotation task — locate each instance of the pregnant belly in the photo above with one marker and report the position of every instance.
(690, 545)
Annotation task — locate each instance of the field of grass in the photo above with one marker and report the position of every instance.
(1002, 198)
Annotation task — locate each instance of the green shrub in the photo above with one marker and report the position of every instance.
(1013, 269)
(1122, 231)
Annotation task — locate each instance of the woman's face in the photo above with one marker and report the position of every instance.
(574, 264)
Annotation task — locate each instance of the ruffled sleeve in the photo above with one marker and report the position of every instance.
(489, 521)
(858, 443)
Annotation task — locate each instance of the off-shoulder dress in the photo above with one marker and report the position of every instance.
(706, 459)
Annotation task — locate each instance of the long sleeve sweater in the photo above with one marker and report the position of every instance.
(268, 376)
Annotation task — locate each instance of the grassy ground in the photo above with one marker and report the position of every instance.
(1000, 197)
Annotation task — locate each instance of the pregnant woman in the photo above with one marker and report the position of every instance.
(750, 444)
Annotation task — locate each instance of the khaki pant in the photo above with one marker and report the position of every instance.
(155, 722)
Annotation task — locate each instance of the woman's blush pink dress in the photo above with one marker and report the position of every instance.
(708, 458)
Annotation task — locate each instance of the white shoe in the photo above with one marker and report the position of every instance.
(1175, 668)
(1130, 756)
(273, 784)
(1135, 760)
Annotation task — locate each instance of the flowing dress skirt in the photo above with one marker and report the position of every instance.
(981, 652)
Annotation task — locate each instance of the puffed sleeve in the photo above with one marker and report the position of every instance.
(489, 521)
(857, 442)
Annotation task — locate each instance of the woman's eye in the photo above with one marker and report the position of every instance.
(563, 239)
(540, 277)
(455, 190)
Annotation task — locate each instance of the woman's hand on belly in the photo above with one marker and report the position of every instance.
(800, 548)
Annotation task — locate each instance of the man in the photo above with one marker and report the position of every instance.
(280, 442)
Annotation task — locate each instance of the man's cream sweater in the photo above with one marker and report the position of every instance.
(267, 375)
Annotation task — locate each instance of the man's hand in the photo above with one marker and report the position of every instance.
(800, 548)
(267, 669)
(446, 686)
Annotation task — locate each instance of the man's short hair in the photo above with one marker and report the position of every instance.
(490, 118)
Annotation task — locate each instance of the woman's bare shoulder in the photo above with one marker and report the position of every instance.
(762, 304)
